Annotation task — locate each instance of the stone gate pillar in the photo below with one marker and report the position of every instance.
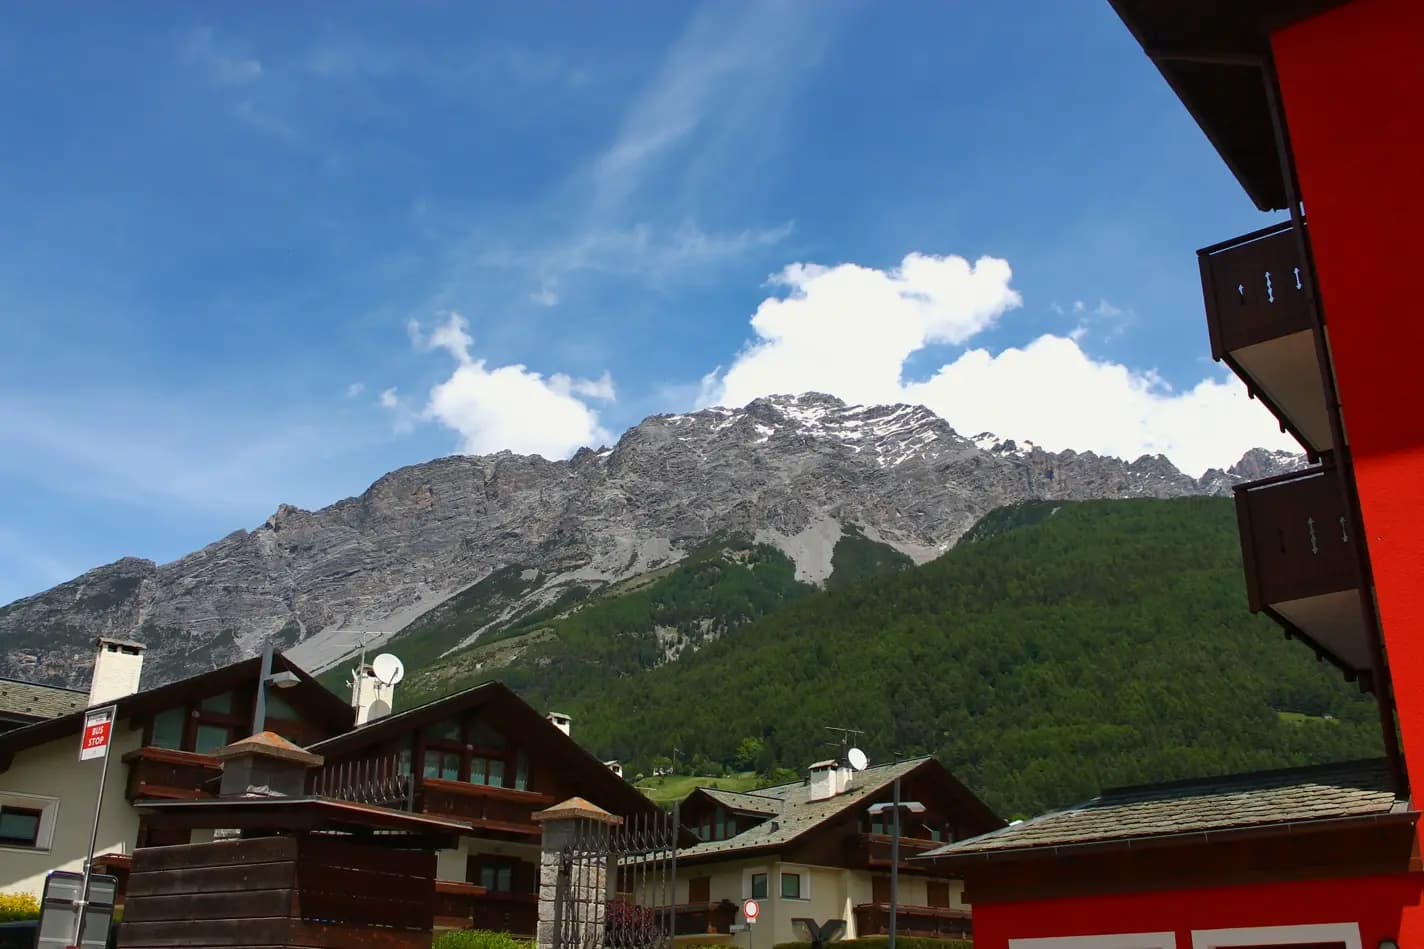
(571, 832)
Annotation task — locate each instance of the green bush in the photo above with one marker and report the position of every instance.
(881, 942)
(478, 939)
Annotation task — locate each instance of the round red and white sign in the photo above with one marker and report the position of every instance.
(751, 910)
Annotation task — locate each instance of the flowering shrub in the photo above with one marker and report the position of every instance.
(18, 906)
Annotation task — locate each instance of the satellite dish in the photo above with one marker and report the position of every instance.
(388, 668)
(857, 759)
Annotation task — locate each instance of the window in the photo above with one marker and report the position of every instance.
(27, 821)
(220, 704)
(497, 876)
(705, 831)
(403, 762)
(937, 894)
(758, 886)
(19, 826)
(521, 774)
(699, 890)
(483, 735)
(168, 728)
(791, 886)
(210, 738)
(721, 829)
(278, 707)
(448, 730)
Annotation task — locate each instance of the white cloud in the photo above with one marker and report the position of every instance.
(388, 399)
(848, 330)
(545, 296)
(510, 407)
(355, 389)
(200, 47)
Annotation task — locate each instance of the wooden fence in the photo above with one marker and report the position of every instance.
(296, 892)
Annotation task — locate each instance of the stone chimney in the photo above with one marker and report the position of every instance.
(562, 722)
(116, 671)
(825, 780)
(370, 697)
(265, 765)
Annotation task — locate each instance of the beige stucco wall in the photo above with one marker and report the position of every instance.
(833, 893)
(451, 864)
(54, 771)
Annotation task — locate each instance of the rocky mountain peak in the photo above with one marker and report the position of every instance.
(794, 471)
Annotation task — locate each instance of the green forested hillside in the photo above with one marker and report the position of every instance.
(1108, 643)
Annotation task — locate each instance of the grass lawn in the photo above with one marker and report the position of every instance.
(673, 788)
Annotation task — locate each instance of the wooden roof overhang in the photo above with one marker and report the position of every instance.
(310, 697)
(1286, 851)
(519, 720)
(375, 825)
(1215, 56)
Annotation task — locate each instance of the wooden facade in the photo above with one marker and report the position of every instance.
(288, 891)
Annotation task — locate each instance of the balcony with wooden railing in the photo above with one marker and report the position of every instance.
(926, 922)
(171, 775)
(872, 851)
(1259, 314)
(469, 906)
(1301, 565)
(711, 918)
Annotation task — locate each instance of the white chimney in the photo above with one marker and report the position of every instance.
(825, 781)
(562, 722)
(615, 766)
(116, 671)
(370, 697)
(843, 775)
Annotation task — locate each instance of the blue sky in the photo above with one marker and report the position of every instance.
(257, 254)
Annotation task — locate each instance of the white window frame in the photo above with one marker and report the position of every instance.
(795, 870)
(49, 819)
(1166, 940)
(1347, 933)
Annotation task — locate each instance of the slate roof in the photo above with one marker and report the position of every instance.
(38, 702)
(1259, 799)
(794, 813)
(753, 803)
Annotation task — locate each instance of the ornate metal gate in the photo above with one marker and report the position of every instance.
(617, 885)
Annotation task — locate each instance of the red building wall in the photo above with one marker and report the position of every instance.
(1378, 904)
(1352, 80)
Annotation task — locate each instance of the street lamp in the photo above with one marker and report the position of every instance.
(896, 806)
(282, 680)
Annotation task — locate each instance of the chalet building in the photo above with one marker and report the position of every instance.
(813, 849)
(24, 703)
(1312, 105)
(481, 759)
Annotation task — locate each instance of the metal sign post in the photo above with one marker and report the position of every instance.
(97, 736)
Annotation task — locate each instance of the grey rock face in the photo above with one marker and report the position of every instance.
(789, 469)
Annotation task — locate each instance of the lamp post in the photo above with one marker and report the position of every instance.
(895, 806)
(282, 680)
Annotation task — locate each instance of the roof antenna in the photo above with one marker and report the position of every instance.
(846, 735)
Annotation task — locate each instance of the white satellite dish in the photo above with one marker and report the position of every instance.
(857, 759)
(388, 668)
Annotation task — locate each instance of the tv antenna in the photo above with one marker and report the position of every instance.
(846, 735)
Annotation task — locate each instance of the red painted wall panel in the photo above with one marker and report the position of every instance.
(1352, 81)
(1378, 904)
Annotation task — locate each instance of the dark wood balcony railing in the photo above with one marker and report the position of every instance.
(873, 850)
(698, 919)
(467, 906)
(1261, 323)
(1300, 562)
(928, 922)
(490, 810)
(171, 775)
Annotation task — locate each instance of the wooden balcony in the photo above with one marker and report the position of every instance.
(1301, 566)
(171, 775)
(872, 851)
(1261, 324)
(493, 812)
(699, 919)
(925, 922)
(467, 906)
